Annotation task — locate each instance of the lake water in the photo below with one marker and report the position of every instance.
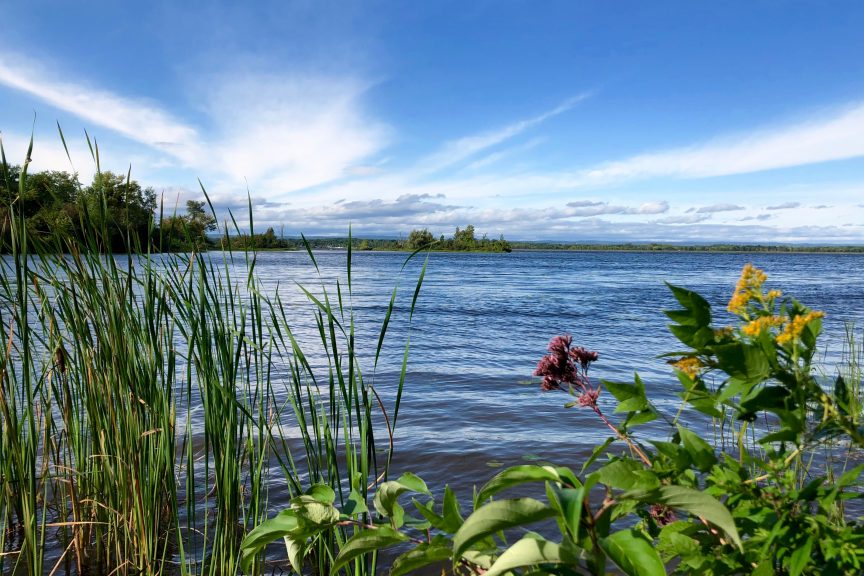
(483, 321)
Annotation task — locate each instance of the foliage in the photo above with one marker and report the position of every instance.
(144, 399)
(678, 504)
(266, 241)
(189, 231)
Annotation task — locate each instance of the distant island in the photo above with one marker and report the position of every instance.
(463, 240)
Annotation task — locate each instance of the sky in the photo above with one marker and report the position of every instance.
(556, 120)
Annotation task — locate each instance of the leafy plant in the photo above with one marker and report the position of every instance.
(676, 505)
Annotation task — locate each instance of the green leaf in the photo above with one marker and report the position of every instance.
(529, 551)
(424, 554)
(364, 542)
(627, 475)
(700, 452)
(697, 310)
(568, 503)
(633, 553)
(631, 397)
(742, 361)
(321, 493)
(496, 516)
(268, 531)
(515, 476)
(698, 504)
(388, 493)
(598, 450)
(451, 515)
(355, 505)
(296, 551)
(800, 558)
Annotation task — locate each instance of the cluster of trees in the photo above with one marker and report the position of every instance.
(55, 204)
(266, 241)
(463, 240)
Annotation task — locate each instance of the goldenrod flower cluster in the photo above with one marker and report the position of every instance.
(761, 324)
(690, 366)
(793, 329)
(749, 287)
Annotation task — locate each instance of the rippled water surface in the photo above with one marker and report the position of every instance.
(483, 320)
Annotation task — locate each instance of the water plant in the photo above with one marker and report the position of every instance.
(144, 398)
(675, 504)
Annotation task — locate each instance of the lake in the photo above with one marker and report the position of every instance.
(483, 321)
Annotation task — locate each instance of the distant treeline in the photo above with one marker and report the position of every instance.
(655, 247)
(463, 240)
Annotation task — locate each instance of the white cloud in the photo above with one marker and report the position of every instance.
(719, 208)
(834, 138)
(464, 148)
(784, 206)
(288, 133)
(136, 119)
(276, 132)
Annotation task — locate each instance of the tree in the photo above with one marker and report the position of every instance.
(420, 239)
(119, 207)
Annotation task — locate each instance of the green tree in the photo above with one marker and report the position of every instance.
(420, 238)
(120, 207)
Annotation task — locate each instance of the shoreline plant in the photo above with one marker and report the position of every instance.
(144, 400)
(674, 505)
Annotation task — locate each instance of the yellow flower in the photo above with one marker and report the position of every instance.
(773, 294)
(761, 324)
(749, 287)
(793, 329)
(690, 366)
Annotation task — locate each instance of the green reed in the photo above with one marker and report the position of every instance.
(111, 363)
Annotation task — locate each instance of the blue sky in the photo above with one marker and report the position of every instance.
(646, 121)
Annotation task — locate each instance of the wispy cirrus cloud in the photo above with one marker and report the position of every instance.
(834, 138)
(461, 149)
(284, 132)
(137, 119)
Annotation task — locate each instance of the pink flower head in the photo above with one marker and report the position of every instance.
(583, 357)
(588, 398)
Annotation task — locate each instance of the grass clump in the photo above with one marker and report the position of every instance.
(143, 401)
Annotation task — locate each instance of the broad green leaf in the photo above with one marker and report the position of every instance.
(800, 558)
(529, 551)
(568, 503)
(515, 476)
(268, 531)
(697, 310)
(321, 493)
(316, 513)
(424, 554)
(496, 516)
(627, 475)
(701, 453)
(388, 493)
(698, 504)
(296, 551)
(365, 542)
(742, 361)
(633, 553)
(355, 505)
(631, 397)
